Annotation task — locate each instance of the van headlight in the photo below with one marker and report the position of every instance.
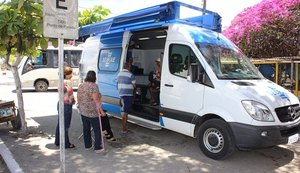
(258, 111)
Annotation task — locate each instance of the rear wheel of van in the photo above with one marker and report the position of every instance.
(215, 139)
(41, 86)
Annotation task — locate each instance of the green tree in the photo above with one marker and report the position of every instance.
(21, 32)
(96, 14)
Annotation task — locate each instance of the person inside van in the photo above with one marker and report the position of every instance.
(133, 68)
(154, 85)
(29, 66)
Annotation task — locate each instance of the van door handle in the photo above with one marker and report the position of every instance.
(168, 85)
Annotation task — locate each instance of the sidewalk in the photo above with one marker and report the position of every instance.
(142, 151)
(136, 152)
(37, 152)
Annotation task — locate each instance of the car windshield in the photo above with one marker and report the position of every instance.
(228, 62)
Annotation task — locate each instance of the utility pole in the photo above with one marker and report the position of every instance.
(204, 5)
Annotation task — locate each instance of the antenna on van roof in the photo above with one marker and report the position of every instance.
(154, 16)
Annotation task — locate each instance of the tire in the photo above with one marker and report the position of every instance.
(41, 86)
(215, 139)
(17, 122)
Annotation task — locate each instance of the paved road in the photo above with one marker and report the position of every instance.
(142, 151)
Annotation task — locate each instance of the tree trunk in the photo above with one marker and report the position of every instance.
(15, 73)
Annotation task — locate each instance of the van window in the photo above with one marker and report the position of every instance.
(41, 59)
(75, 58)
(109, 59)
(71, 57)
(28, 66)
(54, 54)
(228, 63)
(180, 58)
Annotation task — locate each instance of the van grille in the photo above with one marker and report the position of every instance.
(288, 113)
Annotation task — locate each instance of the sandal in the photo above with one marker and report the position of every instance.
(106, 135)
(100, 151)
(112, 139)
(70, 146)
(104, 132)
(89, 148)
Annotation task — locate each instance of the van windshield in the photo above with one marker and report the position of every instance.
(228, 63)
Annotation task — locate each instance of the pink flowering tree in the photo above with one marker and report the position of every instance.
(268, 29)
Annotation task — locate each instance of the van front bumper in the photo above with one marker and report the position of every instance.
(253, 137)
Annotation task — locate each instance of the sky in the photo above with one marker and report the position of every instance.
(228, 9)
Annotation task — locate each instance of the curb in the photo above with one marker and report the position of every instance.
(6, 79)
(8, 158)
(6, 83)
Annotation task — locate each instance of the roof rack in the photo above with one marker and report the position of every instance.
(154, 16)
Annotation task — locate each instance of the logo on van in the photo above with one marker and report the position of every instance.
(293, 112)
(278, 93)
(109, 59)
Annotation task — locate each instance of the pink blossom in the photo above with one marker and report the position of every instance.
(252, 18)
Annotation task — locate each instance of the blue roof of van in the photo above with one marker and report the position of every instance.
(154, 16)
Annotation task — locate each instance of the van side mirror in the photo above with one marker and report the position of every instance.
(194, 73)
(197, 74)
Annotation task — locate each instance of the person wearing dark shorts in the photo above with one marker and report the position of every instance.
(126, 85)
(126, 103)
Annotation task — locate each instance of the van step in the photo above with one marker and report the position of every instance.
(139, 121)
(146, 111)
(144, 123)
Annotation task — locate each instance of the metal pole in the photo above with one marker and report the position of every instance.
(61, 104)
(297, 79)
(204, 5)
(102, 141)
(292, 75)
(277, 73)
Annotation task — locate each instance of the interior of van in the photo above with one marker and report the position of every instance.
(145, 49)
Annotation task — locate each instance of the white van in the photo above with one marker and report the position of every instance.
(209, 89)
(41, 73)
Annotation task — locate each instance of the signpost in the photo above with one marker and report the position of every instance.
(61, 22)
(61, 19)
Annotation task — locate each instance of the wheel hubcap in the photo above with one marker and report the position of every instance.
(41, 86)
(213, 140)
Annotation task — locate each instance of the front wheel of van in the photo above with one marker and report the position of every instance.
(41, 86)
(215, 139)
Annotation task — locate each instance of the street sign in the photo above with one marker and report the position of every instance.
(61, 19)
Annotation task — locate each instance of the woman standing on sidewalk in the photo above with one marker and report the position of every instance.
(68, 103)
(89, 100)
